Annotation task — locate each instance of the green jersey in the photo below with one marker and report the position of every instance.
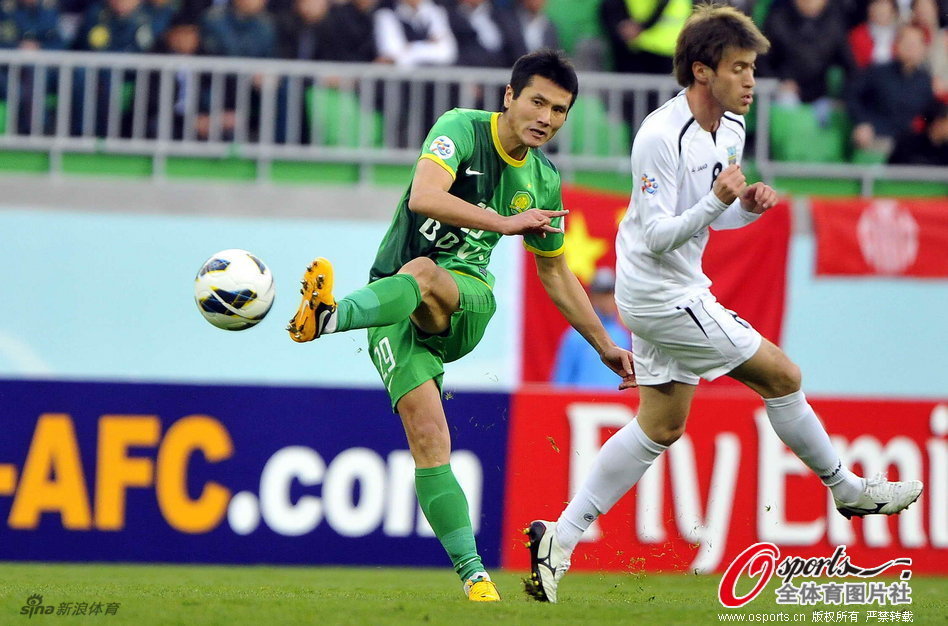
(465, 143)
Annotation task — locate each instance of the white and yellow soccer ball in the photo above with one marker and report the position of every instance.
(234, 290)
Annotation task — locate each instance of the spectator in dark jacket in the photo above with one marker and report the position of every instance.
(116, 26)
(113, 26)
(806, 37)
(29, 25)
(350, 32)
(301, 30)
(188, 99)
(242, 28)
(884, 100)
(483, 34)
(162, 14)
(929, 147)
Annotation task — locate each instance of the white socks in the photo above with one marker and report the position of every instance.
(623, 459)
(619, 464)
(798, 426)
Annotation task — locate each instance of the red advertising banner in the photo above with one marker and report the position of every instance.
(728, 483)
(881, 236)
(747, 266)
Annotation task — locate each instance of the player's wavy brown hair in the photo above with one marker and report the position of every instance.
(710, 30)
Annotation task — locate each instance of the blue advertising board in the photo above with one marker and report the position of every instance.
(231, 474)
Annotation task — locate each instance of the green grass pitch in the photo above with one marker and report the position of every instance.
(176, 594)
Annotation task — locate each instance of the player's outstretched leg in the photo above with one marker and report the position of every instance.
(548, 561)
(317, 306)
(879, 496)
(386, 301)
(771, 374)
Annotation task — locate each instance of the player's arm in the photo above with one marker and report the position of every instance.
(754, 200)
(570, 298)
(430, 196)
(655, 159)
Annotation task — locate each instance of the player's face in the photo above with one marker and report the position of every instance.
(732, 83)
(538, 112)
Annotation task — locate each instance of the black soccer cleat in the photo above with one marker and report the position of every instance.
(548, 561)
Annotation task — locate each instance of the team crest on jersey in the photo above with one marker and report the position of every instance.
(521, 201)
(649, 185)
(731, 155)
(443, 147)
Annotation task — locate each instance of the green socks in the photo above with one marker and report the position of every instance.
(384, 302)
(445, 507)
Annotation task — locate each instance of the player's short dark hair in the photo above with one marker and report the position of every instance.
(710, 30)
(550, 64)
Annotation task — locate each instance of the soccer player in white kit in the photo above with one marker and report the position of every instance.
(687, 178)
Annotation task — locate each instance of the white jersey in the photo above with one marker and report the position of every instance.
(662, 237)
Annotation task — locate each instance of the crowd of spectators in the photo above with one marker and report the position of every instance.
(891, 56)
(402, 32)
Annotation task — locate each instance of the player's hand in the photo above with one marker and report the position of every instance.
(619, 361)
(758, 197)
(532, 222)
(729, 184)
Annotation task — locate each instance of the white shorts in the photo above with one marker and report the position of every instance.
(699, 338)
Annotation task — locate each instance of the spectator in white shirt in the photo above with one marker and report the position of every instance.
(410, 33)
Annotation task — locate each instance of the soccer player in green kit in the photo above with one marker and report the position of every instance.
(480, 175)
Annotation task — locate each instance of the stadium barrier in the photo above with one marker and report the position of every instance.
(244, 474)
(267, 110)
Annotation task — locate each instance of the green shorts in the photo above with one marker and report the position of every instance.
(406, 357)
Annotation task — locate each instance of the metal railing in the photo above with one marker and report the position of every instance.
(165, 106)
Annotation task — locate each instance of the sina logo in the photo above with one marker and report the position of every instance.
(34, 606)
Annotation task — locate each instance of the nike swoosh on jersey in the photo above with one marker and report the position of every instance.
(471, 172)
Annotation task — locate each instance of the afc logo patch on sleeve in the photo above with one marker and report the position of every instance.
(649, 185)
(443, 147)
(731, 155)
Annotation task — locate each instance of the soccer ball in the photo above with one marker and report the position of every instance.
(234, 290)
